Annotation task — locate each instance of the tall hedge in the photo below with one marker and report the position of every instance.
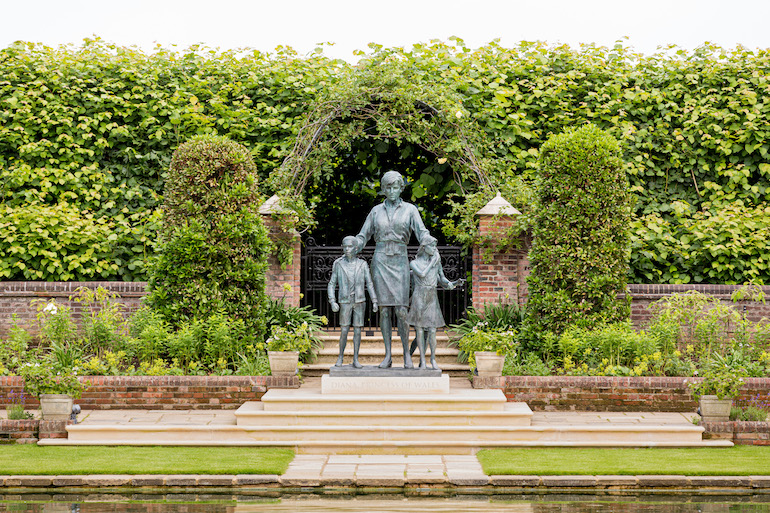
(580, 247)
(214, 246)
(87, 133)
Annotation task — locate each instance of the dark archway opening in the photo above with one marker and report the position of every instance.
(344, 199)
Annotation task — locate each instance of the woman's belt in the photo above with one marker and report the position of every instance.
(391, 248)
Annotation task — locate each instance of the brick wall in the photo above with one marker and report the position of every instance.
(643, 295)
(498, 276)
(17, 297)
(19, 431)
(278, 276)
(739, 433)
(607, 393)
(161, 392)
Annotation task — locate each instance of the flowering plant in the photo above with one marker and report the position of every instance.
(288, 338)
(41, 379)
(719, 378)
(484, 338)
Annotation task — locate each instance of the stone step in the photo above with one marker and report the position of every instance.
(468, 400)
(352, 438)
(315, 370)
(253, 414)
(427, 446)
(372, 356)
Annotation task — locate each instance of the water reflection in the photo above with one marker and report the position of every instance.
(190, 503)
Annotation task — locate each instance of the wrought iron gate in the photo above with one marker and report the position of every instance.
(317, 264)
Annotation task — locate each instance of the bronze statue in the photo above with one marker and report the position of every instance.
(424, 312)
(351, 276)
(392, 223)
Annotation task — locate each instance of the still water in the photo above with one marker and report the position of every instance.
(385, 504)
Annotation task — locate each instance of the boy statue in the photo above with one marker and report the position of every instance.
(351, 275)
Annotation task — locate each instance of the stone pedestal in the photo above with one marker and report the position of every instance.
(372, 371)
(385, 385)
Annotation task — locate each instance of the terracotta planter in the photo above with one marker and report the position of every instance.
(55, 406)
(283, 363)
(715, 410)
(489, 364)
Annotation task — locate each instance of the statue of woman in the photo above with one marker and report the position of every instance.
(392, 223)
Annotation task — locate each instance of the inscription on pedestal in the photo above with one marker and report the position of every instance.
(384, 385)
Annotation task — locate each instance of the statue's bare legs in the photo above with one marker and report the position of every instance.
(386, 329)
(403, 332)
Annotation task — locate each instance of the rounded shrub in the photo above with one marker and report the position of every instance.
(580, 247)
(214, 246)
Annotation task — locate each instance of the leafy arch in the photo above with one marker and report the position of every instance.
(384, 98)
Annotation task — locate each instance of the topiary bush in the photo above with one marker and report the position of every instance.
(214, 246)
(580, 246)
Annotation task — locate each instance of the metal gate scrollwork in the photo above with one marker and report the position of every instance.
(317, 264)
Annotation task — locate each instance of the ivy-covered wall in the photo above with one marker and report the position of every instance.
(86, 136)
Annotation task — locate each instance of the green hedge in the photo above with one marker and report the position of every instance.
(95, 127)
(580, 235)
(214, 247)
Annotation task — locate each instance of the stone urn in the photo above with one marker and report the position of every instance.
(489, 364)
(283, 363)
(55, 406)
(713, 409)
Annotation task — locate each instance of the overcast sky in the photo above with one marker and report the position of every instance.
(351, 25)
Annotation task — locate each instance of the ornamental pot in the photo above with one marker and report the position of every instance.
(283, 363)
(489, 364)
(55, 406)
(715, 410)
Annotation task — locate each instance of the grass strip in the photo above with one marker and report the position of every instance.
(742, 460)
(50, 460)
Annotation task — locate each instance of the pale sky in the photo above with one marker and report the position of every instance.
(351, 25)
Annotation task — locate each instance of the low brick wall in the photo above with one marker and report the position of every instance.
(16, 298)
(607, 393)
(19, 431)
(162, 392)
(642, 295)
(739, 432)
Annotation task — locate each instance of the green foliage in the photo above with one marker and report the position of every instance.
(87, 134)
(15, 407)
(748, 414)
(497, 316)
(483, 337)
(289, 338)
(722, 243)
(720, 378)
(44, 379)
(90, 131)
(214, 248)
(14, 350)
(527, 364)
(103, 323)
(580, 234)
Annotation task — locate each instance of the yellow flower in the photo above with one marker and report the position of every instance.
(442, 160)
(286, 287)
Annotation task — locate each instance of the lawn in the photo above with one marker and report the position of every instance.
(741, 460)
(33, 459)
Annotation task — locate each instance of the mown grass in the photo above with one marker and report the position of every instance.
(728, 461)
(33, 459)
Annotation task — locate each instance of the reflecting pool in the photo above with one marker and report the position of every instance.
(192, 503)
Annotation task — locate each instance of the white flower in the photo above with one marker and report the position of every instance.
(459, 114)
(51, 308)
(442, 160)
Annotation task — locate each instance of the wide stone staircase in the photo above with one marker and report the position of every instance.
(372, 352)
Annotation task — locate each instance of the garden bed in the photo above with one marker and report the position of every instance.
(610, 393)
(163, 392)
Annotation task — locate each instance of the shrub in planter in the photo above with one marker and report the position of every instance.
(484, 339)
(214, 246)
(580, 246)
(42, 379)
